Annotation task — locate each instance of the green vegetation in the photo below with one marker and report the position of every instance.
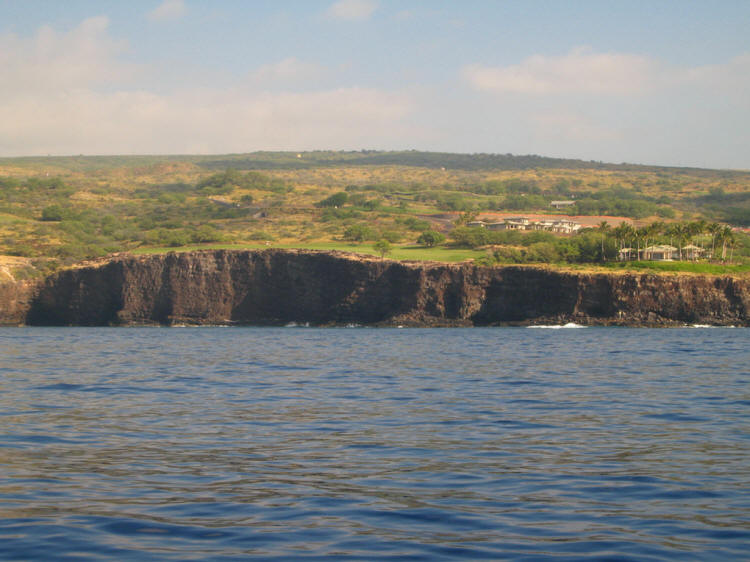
(382, 247)
(430, 238)
(691, 267)
(56, 211)
(711, 244)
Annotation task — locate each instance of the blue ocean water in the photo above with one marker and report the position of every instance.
(374, 444)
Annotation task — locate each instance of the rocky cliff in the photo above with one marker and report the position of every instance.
(15, 301)
(282, 286)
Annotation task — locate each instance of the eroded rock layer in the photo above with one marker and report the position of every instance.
(323, 288)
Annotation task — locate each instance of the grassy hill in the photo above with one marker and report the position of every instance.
(56, 210)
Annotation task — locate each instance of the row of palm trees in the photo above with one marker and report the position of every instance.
(680, 233)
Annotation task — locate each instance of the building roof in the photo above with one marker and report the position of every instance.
(660, 248)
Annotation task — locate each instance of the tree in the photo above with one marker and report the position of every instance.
(726, 237)
(679, 231)
(714, 229)
(382, 247)
(603, 229)
(52, 213)
(430, 238)
(359, 233)
(624, 233)
(651, 231)
(470, 236)
(335, 200)
(683, 233)
(465, 218)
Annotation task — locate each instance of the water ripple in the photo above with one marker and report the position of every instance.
(280, 444)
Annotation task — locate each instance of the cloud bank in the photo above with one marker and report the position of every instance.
(68, 93)
(167, 10)
(583, 71)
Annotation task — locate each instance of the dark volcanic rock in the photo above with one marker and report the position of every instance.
(281, 286)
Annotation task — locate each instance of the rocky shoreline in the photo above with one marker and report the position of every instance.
(278, 287)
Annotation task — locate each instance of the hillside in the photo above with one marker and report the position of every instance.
(56, 210)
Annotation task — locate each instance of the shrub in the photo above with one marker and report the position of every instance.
(415, 224)
(430, 238)
(470, 236)
(335, 200)
(53, 213)
(392, 236)
(360, 233)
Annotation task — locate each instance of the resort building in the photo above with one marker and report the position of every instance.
(522, 223)
(660, 252)
(692, 252)
(561, 204)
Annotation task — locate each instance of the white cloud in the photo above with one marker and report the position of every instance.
(290, 70)
(82, 57)
(352, 10)
(67, 93)
(580, 71)
(168, 10)
(213, 121)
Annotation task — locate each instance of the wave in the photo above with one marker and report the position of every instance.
(557, 326)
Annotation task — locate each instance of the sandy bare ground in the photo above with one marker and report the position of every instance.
(585, 220)
(8, 264)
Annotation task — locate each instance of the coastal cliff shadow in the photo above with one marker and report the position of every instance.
(321, 289)
(72, 298)
(525, 295)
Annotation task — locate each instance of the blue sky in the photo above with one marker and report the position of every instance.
(649, 82)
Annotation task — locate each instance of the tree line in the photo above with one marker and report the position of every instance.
(678, 234)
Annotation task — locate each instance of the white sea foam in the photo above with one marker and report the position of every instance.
(558, 326)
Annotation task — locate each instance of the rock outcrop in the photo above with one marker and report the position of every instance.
(272, 287)
(15, 301)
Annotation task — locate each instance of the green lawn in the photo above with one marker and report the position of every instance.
(680, 266)
(409, 252)
(449, 254)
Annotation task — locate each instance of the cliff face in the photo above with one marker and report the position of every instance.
(282, 286)
(15, 301)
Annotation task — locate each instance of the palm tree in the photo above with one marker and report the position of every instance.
(681, 232)
(603, 228)
(656, 228)
(622, 233)
(684, 233)
(695, 229)
(644, 233)
(726, 236)
(701, 227)
(714, 228)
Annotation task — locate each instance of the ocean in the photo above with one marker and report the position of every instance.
(374, 444)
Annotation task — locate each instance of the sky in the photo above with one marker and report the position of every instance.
(651, 82)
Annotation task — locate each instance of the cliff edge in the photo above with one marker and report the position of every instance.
(272, 287)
